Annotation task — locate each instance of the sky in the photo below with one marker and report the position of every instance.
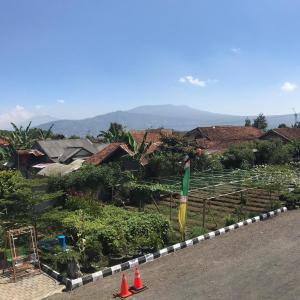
(76, 59)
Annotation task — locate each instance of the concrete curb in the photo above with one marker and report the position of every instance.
(74, 283)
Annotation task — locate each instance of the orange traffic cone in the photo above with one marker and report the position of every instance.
(137, 283)
(124, 291)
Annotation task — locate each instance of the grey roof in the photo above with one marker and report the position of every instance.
(56, 148)
(68, 153)
(57, 169)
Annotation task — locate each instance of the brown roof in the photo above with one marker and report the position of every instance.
(112, 148)
(221, 137)
(107, 152)
(287, 133)
(33, 152)
(226, 133)
(153, 136)
(3, 142)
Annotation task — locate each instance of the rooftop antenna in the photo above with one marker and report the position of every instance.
(296, 116)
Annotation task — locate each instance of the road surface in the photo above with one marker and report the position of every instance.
(259, 261)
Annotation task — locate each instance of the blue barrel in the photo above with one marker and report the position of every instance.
(62, 242)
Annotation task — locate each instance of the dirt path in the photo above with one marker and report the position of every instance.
(259, 261)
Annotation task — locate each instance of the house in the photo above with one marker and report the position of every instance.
(117, 151)
(219, 138)
(109, 153)
(26, 158)
(67, 150)
(285, 134)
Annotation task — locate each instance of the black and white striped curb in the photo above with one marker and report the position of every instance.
(74, 283)
(57, 276)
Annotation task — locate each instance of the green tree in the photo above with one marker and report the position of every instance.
(296, 150)
(282, 125)
(114, 134)
(260, 122)
(247, 122)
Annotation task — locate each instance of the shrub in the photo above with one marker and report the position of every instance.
(197, 231)
(15, 193)
(87, 178)
(230, 220)
(245, 155)
(291, 199)
(118, 231)
(239, 156)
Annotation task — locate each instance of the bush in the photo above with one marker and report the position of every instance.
(197, 231)
(119, 232)
(239, 156)
(230, 220)
(291, 199)
(15, 193)
(87, 178)
(246, 155)
(164, 164)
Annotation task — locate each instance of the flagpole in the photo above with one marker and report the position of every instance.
(184, 196)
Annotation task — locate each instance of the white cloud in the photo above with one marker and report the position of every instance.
(61, 101)
(236, 50)
(17, 115)
(38, 106)
(191, 80)
(289, 86)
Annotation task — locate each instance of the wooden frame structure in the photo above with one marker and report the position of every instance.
(22, 264)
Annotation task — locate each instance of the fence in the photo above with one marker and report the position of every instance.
(217, 197)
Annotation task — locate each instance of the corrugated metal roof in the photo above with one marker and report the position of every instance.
(57, 169)
(56, 148)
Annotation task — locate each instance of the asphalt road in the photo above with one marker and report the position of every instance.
(259, 261)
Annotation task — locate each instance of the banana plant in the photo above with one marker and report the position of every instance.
(139, 150)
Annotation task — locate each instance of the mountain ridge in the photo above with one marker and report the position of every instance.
(169, 116)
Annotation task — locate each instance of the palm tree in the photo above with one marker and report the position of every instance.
(114, 134)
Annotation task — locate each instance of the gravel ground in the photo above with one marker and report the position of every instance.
(259, 261)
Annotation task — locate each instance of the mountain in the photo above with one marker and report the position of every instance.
(38, 120)
(175, 117)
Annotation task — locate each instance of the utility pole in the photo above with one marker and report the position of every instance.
(296, 117)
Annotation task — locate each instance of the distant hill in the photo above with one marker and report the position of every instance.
(37, 120)
(169, 116)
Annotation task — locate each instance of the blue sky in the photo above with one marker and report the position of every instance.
(74, 59)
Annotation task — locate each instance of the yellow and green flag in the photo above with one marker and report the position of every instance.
(184, 195)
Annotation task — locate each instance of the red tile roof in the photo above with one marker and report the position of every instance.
(287, 133)
(226, 133)
(107, 152)
(3, 142)
(112, 148)
(33, 152)
(154, 135)
(221, 137)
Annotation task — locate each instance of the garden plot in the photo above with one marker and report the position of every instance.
(221, 198)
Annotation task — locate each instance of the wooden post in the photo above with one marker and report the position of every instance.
(203, 213)
(171, 196)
